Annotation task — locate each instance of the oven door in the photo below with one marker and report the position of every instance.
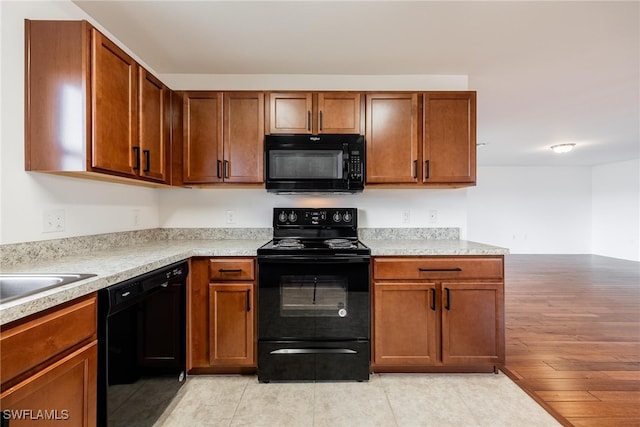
(313, 298)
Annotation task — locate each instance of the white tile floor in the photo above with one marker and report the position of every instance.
(387, 400)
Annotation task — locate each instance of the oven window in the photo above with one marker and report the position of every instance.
(313, 296)
(305, 164)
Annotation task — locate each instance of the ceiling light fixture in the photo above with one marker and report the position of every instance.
(562, 148)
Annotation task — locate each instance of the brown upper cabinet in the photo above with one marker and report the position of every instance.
(392, 138)
(154, 116)
(90, 108)
(314, 113)
(449, 138)
(435, 148)
(223, 136)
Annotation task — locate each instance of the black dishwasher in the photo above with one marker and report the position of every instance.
(141, 346)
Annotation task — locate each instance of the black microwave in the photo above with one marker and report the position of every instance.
(326, 163)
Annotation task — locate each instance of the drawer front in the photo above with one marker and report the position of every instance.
(232, 269)
(438, 268)
(29, 344)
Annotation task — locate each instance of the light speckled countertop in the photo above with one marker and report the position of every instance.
(418, 247)
(112, 266)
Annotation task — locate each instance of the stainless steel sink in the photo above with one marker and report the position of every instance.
(19, 285)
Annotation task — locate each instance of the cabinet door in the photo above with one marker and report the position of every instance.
(202, 141)
(405, 324)
(114, 108)
(338, 112)
(472, 331)
(449, 137)
(243, 137)
(392, 138)
(290, 112)
(154, 130)
(67, 390)
(231, 336)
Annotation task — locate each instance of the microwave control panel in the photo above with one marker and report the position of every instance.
(355, 165)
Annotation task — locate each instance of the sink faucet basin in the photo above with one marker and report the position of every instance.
(19, 285)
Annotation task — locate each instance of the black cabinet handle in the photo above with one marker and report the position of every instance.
(136, 151)
(219, 169)
(427, 169)
(308, 120)
(229, 270)
(248, 300)
(415, 169)
(440, 269)
(448, 303)
(433, 299)
(320, 120)
(147, 160)
(226, 168)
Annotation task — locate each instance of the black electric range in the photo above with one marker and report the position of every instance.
(313, 297)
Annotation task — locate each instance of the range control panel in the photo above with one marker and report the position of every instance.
(325, 217)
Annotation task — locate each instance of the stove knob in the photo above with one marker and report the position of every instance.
(347, 217)
(293, 217)
(282, 217)
(337, 217)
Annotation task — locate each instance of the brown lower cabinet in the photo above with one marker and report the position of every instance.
(438, 314)
(49, 367)
(221, 315)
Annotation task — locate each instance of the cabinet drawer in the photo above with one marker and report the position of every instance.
(27, 345)
(232, 269)
(438, 267)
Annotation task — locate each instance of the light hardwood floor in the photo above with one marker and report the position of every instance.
(573, 336)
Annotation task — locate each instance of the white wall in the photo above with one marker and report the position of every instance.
(616, 210)
(532, 209)
(253, 208)
(90, 207)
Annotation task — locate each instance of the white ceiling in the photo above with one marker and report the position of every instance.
(546, 72)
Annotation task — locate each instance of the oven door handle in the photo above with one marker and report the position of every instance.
(314, 351)
(337, 259)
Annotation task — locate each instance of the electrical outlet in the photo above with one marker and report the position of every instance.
(231, 217)
(136, 217)
(53, 221)
(406, 217)
(433, 216)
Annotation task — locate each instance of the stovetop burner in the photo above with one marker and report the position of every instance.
(288, 244)
(340, 243)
